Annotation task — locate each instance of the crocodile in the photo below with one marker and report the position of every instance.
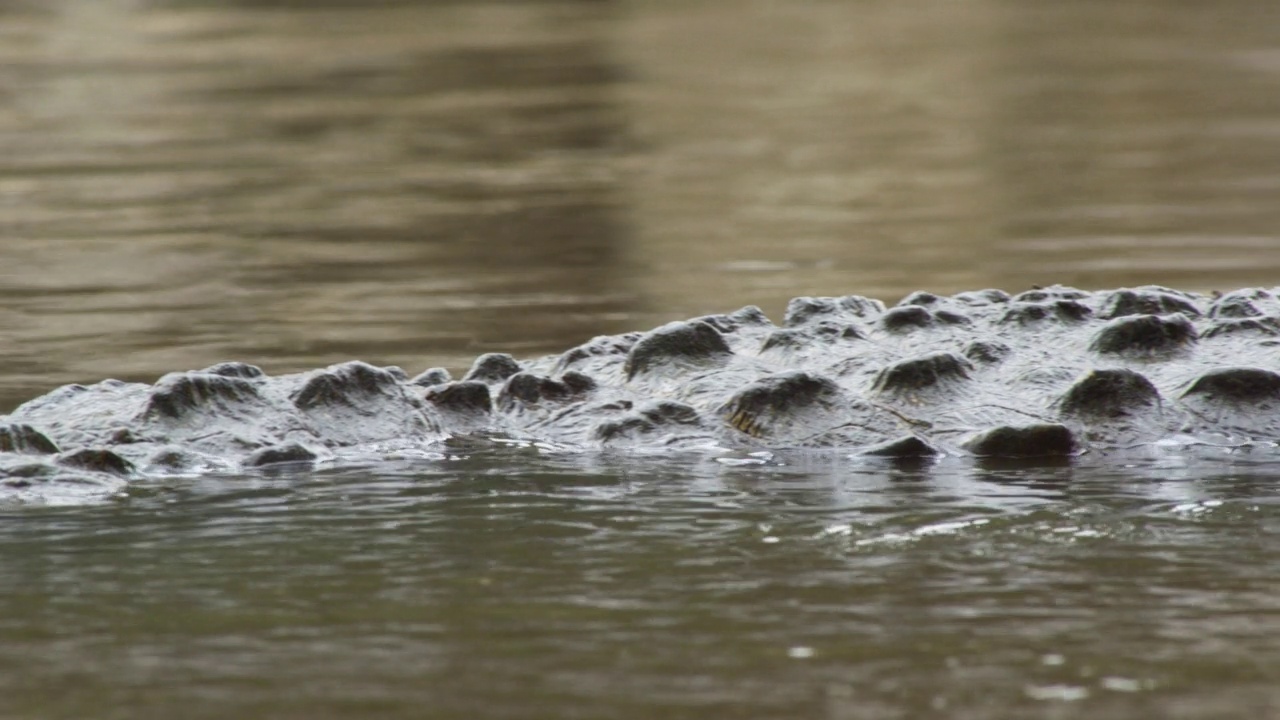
(1051, 372)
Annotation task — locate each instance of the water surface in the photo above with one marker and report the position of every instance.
(413, 183)
(529, 584)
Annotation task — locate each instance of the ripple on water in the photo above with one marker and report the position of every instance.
(597, 576)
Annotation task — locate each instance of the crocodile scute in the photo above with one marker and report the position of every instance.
(1050, 372)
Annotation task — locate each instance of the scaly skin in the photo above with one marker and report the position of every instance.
(1053, 372)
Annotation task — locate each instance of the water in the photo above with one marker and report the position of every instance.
(294, 184)
(529, 584)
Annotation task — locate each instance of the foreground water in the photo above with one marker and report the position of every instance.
(294, 184)
(529, 583)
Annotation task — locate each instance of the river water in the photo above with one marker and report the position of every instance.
(414, 183)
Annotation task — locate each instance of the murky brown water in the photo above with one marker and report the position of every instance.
(413, 182)
(298, 183)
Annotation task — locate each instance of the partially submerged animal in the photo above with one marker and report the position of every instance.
(1049, 372)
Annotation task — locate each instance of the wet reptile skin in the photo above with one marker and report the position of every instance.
(1050, 372)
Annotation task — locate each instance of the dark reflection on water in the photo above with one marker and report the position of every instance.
(413, 183)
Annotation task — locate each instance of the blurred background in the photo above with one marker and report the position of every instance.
(294, 183)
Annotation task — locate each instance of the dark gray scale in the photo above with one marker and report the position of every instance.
(557, 409)
(789, 399)
(278, 454)
(1145, 336)
(909, 377)
(1039, 440)
(97, 460)
(666, 412)
(235, 369)
(903, 448)
(349, 404)
(786, 339)
(1242, 402)
(467, 397)
(939, 391)
(722, 323)
(859, 306)
(629, 428)
(921, 299)
(25, 475)
(1108, 395)
(802, 310)
(677, 344)
(1245, 303)
(1235, 306)
(749, 316)
(464, 406)
(432, 376)
(1260, 326)
(951, 317)
(1060, 311)
(35, 468)
(1236, 385)
(820, 334)
(21, 438)
(605, 346)
(396, 372)
(941, 310)
(173, 459)
(492, 368)
(349, 384)
(1147, 301)
(664, 417)
(1055, 292)
(179, 395)
(125, 436)
(527, 390)
(980, 298)
(832, 331)
(907, 318)
(986, 352)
